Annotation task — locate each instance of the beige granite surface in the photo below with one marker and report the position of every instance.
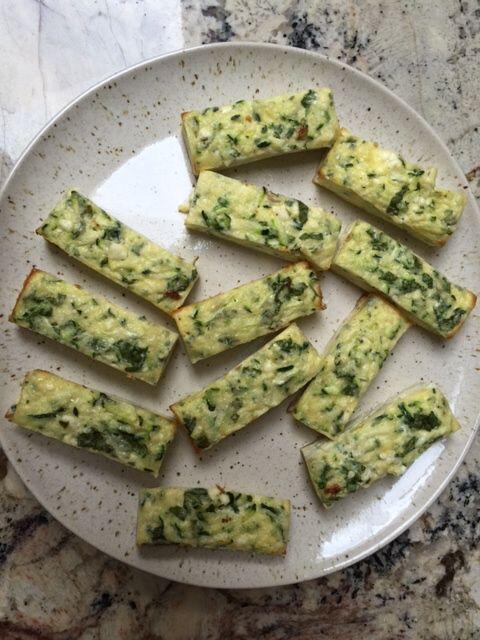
(423, 586)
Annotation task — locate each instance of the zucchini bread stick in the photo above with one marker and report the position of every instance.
(213, 518)
(376, 262)
(248, 130)
(350, 362)
(119, 253)
(384, 443)
(249, 311)
(254, 217)
(257, 384)
(92, 325)
(382, 183)
(88, 419)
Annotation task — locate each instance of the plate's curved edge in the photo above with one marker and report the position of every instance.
(240, 45)
(347, 561)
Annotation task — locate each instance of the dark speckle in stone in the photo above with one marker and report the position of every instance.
(451, 561)
(104, 601)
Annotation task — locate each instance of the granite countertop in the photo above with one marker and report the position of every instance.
(426, 584)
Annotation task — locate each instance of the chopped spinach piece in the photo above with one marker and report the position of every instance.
(180, 282)
(395, 204)
(131, 353)
(448, 323)
(379, 240)
(209, 399)
(40, 306)
(94, 439)
(157, 533)
(220, 221)
(50, 414)
(179, 512)
(322, 477)
(351, 387)
(196, 499)
(352, 472)
(311, 236)
(419, 420)
(113, 233)
(427, 280)
(387, 276)
(69, 331)
(308, 99)
(101, 399)
(189, 423)
(303, 212)
(409, 446)
(132, 442)
(268, 507)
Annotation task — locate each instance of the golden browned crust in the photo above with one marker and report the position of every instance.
(26, 282)
(319, 303)
(195, 168)
(319, 177)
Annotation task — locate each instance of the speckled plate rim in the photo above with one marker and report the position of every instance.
(347, 559)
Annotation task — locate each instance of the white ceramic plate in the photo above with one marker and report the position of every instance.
(120, 144)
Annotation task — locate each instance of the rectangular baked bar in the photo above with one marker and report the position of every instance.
(213, 518)
(88, 419)
(249, 311)
(103, 243)
(376, 262)
(384, 443)
(255, 217)
(350, 362)
(248, 130)
(92, 325)
(257, 384)
(382, 183)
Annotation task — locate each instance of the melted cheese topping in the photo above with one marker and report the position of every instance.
(105, 244)
(257, 218)
(213, 518)
(384, 184)
(92, 420)
(256, 385)
(349, 364)
(220, 137)
(92, 325)
(375, 261)
(249, 311)
(381, 444)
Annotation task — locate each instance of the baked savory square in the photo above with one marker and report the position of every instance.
(376, 262)
(383, 443)
(248, 130)
(255, 217)
(92, 420)
(249, 311)
(213, 518)
(93, 326)
(259, 383)
(382, 183)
